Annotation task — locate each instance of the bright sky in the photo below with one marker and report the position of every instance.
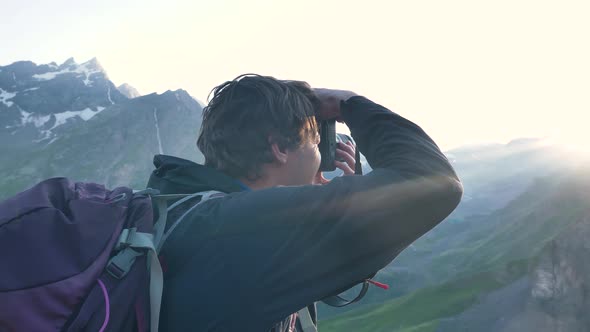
(467, 71)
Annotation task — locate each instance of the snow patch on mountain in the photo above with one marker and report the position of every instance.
(5, 95)
(161, 150)
(40, 121)
(109, 95)
(60, 119)
(52, 140)
(51, 75)
(86, 69)
(37, 120)
(85, 114)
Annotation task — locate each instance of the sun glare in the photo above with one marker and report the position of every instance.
(575, 142)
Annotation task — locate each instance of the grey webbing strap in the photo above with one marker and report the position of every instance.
(184, 199)
(206, 195)
(156, 275)
(153, 243)
(160, 224)
(156, 286)
(161, 202)
(140, 240)
(156, 193)
(146, 241)
(168, 197)
(305, 319)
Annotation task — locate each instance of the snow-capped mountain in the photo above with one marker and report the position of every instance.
(71, 120)
(37, 100)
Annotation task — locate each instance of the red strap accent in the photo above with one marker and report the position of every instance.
(293, 322)
(378, 284)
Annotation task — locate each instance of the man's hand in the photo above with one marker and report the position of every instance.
(344, 151)
(330, 103)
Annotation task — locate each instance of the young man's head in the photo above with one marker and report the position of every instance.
(262, 131)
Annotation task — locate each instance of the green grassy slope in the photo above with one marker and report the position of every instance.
(421, 310)
(479, 261)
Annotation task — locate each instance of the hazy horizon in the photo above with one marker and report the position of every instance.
(466, 72)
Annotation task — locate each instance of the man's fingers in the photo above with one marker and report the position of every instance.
(320, 179)
(344, 167)
(346, 147)
(349, 159)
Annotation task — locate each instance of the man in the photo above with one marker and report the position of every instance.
(276, 243)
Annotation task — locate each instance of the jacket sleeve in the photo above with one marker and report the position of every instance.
(320, 240)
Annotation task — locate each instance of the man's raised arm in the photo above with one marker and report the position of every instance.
(321, 239)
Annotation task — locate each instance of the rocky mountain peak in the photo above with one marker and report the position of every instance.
(93, 64)
(71, 119)
(128, 91)
(70, 62)
(36, 100)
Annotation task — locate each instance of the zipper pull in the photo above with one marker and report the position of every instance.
(378, 284)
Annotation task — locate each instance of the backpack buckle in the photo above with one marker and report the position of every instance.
(125, 238)
(120, 264)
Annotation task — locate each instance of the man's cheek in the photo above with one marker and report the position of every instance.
(318, 158)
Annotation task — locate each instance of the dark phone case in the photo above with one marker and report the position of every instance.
(327, 145)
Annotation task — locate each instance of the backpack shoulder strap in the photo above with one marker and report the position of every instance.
(125, 258)
(161, 202)
(205, 196)
(153, 243)
(306, 322)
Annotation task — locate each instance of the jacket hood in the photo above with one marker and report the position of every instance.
(175, 175)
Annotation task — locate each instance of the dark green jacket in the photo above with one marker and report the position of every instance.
(247, 261)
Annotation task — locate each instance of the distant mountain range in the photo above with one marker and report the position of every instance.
(510, 258)
(71, 120)
(521, 268)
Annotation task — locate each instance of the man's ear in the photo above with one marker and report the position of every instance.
(280, 156)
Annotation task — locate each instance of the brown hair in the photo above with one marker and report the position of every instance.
(248, 114)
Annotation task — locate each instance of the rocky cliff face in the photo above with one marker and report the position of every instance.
(559, 297)
(555, 294)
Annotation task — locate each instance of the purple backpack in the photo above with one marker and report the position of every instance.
(79, 257)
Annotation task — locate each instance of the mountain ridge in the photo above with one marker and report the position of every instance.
(539, 240)
(72, 121)
(128, 91)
